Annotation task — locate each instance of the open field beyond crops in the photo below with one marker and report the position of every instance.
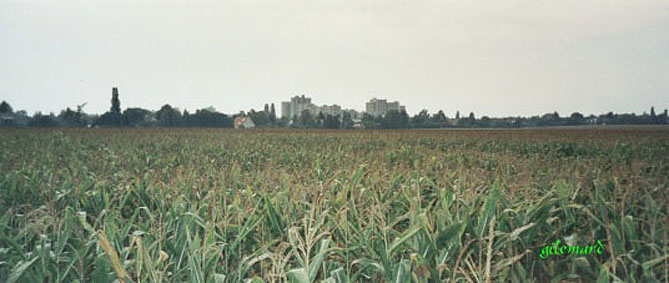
(207, 205)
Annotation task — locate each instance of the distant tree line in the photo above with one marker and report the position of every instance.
(168, 116)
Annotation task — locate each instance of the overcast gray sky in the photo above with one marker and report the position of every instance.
(495, 58)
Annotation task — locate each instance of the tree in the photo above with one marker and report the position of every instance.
(331, 122)
(403, 121)
(282, 122)
(549, 119)
(457, 115)
(368, 121)
(395, 120)
(576, 118)
(346, 121)
(134, 117)
(260, 119)
(115, 102)
(5, 108)
(168, 116)
(113, 117)
(485, 122)
(295, 121)
(653, 116)
(439, 119)
(467, 122)
(272, 114)
(420, 120)
(206, 117)
(306, 120)
(39, 120)
(108, 119)
(71, 118)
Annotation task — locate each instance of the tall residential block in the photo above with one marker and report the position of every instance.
(295, 106)
(379, 107)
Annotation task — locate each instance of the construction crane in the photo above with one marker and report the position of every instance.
(81, 106)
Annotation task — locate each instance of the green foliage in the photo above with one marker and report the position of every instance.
(168, 116)
(71, 118)
(214, 205)
(113, 117)
(39, 120)
(5, 107)
(134, 117)
(395, 120)
(206, 118)
(115, 103)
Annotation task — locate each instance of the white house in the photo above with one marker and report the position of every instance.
(243, 122)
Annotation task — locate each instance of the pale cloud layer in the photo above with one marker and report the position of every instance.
(495, 58)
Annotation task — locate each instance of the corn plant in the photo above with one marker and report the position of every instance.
(205, 205)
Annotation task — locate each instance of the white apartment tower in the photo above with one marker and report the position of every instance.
(379, 107)
(295, 106)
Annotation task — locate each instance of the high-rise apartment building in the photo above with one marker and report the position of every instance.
(295, 106)
(379, 107)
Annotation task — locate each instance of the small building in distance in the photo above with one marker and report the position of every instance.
(18, 119)
(7, 120)
(244, 122)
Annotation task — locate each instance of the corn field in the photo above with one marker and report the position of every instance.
(204, 205)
